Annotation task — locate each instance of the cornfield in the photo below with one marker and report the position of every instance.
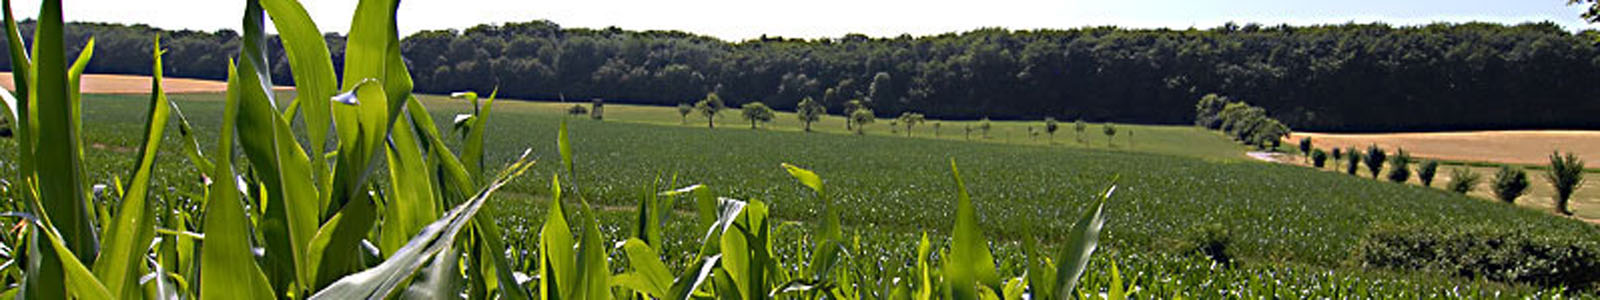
(367, 201)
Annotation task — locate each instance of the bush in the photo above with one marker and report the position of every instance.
(1400, 166)
(1305, 146)
(577, 110)
(1510, 183)
(1337, 154)
(1375, 159)
(1211, 241)
(1499, 254)
(1566, 176)
(1463, 180)
(1319, 158)
(1353, 161)
(1426, 170)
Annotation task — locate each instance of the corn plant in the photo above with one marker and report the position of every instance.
(312, 211)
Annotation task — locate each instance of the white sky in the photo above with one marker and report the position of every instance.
(745, 19)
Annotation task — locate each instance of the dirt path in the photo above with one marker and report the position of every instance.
(137, 84)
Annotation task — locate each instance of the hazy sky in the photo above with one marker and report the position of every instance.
(744, 19)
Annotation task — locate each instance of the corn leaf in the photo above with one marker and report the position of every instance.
(80, 282)
(972, 263)
(557, 270)
(60, 179)
(313, 69)
(411, 204)
(128, 238)
(472, 150)
(382, 281)
(227, 265)
(593, 274)
(1081, 243)
(453, 176)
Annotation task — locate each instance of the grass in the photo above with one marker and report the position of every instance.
(1292, 224)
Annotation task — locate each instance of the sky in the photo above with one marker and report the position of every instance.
(747, 19)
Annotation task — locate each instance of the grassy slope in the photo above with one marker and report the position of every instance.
(893, 187)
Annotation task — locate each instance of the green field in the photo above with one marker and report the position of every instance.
(1294, 230)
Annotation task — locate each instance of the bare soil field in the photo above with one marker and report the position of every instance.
(137, 84)
(1529, 147)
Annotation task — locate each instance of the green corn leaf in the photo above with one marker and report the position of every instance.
(60, 179)
(21, 75)
(557, 270)
(128, 238)
(364, 125)
(79, 281)
(382, 281)
(564, 145)
(925, 288)
(472, 150)
(191, 145)
(1081, 243)
(411, 204)
(312, 65)
(74, 80)
(649, 274)
(973, 264)
(592, 273)
(505, 281)
(453, 176)
(227, 265)
(691, 278)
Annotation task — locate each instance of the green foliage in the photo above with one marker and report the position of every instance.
(809, 111)
(1110, 129)
(1208, 111)
(1400, 166)
(1509, 183)
(1079, 126)
(756, 112)
(709, 108)
(577, 110)
(910, 119)
(1463, 180)
(1319, 158)
(862, 117)
(1305, 145)
(1353, 161)
(1375, 158)
(1496, 253)
(1211, 241)
(683, 112)
(1338, 153)
(984, 125)
(1426, 171)
(1051, 126)
(1565, 176)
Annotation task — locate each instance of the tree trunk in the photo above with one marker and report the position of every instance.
(752, 123)
(808, 126)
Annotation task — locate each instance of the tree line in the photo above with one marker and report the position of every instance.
(1347, 77)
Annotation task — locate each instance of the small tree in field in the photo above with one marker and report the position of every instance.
(1080, 127)
(683, 112)
(936, 129)
(1426, 170)
(850, 108)
(1110, 129)
(1352, 161)
(809, 111)
(1318, 158)
(1338, 154)
(709, 107)
(969, 132)
(1050, 126)
(910, 119)
(1375, 159)
(862, 117)
(1566, 176)
(984, 125)
(756, 112)
(1305, 147)
(1509, 183)
(1400, 166)
(1463, 180)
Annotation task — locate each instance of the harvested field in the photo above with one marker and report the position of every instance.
(137, 84)
(1530, 147)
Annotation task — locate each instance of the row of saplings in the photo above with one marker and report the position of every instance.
(1565, 172)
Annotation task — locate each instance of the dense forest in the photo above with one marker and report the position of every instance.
(1350, 77)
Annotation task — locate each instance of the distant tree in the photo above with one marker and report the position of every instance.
(1318, 158)
(683, 112)
(1267, 133)
(1352, 161)
(1080, 127)
(1033, 134)
(969, 132)
(809, 111)
(1400, 166)
(1110, 129)
(1305, 147)
(1463, 180)
(910, 119)
(881, 90)
(1426, 170)
(756, 112)
(1593, 13)
(709, 107)
(894, 126)
(1510, 183)
(984, 126)
(1337, 153)
(577, 110)
(1207, 110)
(850, 108)
(936, 129)
(1566, 176)
(1375, 159)
(1050, 126)
(597, 110)
(862, 117)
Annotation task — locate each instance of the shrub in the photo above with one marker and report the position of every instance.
(1494, 253)
(1375, 159)
(683, 113)
(1463, 180)
(1510, 183)
(1353, 161)
(1400, 166)
(1207, 110)
(1305, 147)
(1211, 241)
(577, 110)
(1426, 170)
(1319, 158)
(1337, 153)
(1565, 175)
